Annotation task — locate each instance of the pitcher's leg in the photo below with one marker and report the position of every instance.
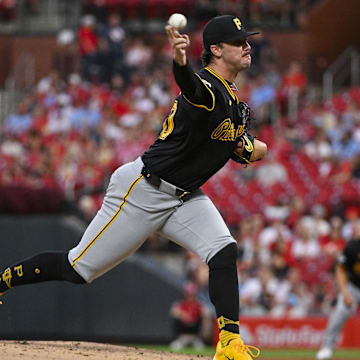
(118, 229)
(224, 287)
(132, 209)
(116, 233)
(46, 266)
(198, 226)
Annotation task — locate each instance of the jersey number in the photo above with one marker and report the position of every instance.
(168, 125)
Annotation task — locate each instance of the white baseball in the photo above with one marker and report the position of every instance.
(178, 21)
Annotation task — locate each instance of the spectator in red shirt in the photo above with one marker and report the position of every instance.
(87, 40)
(189, 315)
(292, 87)
(294, 77)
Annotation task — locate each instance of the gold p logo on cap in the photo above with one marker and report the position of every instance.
(237, 23)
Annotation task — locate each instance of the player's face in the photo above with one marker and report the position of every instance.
(237, 54)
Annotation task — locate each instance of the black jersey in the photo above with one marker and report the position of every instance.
(197, 139)
(350, 259)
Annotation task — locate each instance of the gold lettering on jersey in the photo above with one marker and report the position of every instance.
(19, 270)
(237, 23)
(226, 131)
(168, 125)
(7, 276)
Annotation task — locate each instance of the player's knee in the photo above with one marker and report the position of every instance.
(68, 272)
(260, 150)
(225, 258)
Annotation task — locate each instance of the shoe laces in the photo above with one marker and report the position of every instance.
(239, 345)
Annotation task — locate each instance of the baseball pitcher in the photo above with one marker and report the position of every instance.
(160, 191)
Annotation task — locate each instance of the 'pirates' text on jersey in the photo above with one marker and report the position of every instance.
(197, 140)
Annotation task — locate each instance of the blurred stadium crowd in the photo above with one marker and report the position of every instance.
(288, 13)
(104, 104)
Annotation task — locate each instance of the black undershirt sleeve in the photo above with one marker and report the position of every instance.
(191, 86)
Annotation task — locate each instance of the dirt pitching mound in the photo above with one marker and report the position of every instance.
(68, 350)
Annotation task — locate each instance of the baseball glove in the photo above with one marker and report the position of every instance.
(244, 113)
(243, 154)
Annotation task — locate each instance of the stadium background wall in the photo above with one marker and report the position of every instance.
(128, 304)
(330, 28)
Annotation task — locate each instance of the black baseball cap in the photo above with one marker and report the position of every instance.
(224, 28)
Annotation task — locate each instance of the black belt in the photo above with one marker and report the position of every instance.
(154, 180)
